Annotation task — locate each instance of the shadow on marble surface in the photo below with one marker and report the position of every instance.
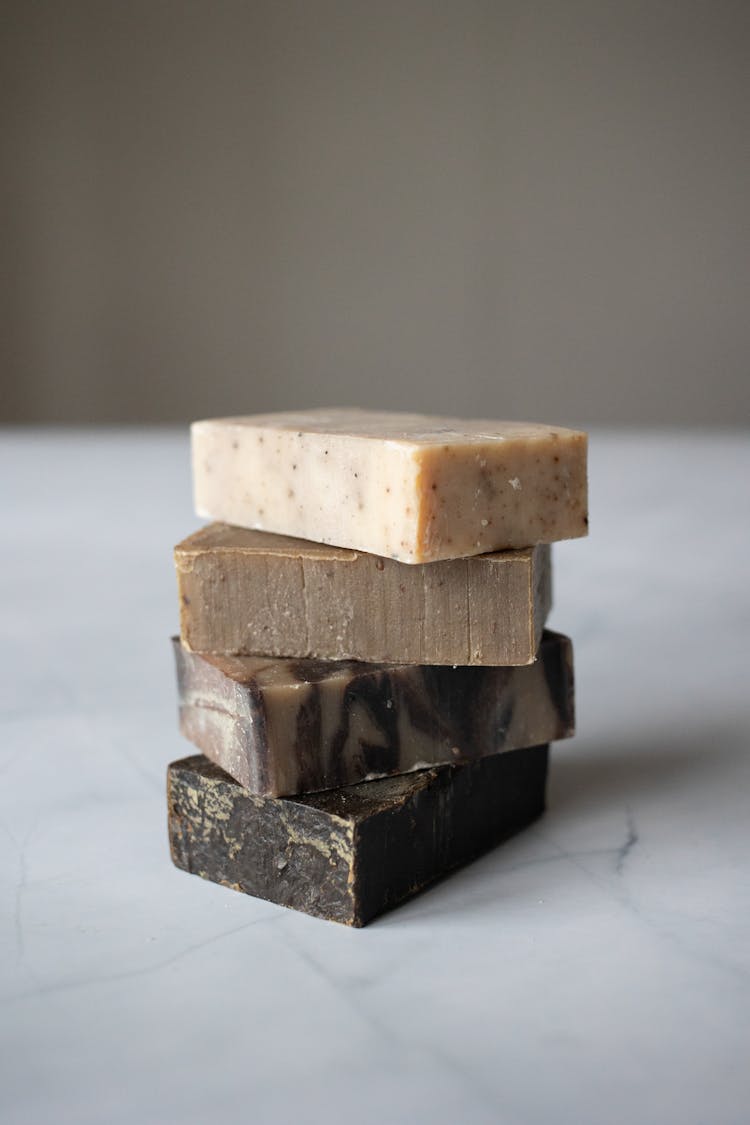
(593, 799)
(623, 771)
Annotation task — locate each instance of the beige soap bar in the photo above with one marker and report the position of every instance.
(406, 486)
(244, 592)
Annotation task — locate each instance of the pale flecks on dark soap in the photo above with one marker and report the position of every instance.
(349, 854)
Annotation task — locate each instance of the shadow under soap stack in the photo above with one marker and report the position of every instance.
(362, 659)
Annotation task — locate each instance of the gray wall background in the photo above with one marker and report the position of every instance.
(520, 209)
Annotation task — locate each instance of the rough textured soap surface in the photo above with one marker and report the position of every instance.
(349, 854)
(243, 592)
(408, 486)
(282, 727)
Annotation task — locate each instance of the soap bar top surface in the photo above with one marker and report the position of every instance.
(416, 488)
(244, 592)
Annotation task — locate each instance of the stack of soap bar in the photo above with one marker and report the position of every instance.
(362, 661)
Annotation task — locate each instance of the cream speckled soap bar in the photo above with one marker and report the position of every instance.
(409, 486)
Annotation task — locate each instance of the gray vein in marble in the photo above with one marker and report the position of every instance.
(21, 886)
(630, 841)
(475, 1088)
(610, 889)
(143, 970)
(560, 855)
(737, 973)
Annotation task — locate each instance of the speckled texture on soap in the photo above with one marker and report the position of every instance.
(410, 487)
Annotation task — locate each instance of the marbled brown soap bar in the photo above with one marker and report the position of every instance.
(281, 727)
(244, 592)
(349, 854)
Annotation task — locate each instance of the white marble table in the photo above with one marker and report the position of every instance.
(594, 969)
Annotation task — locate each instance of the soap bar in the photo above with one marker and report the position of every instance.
(406, 486)
(282, 727)
(244, 592)
(349, 854)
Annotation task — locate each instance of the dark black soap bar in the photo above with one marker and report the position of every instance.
(349, 854)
